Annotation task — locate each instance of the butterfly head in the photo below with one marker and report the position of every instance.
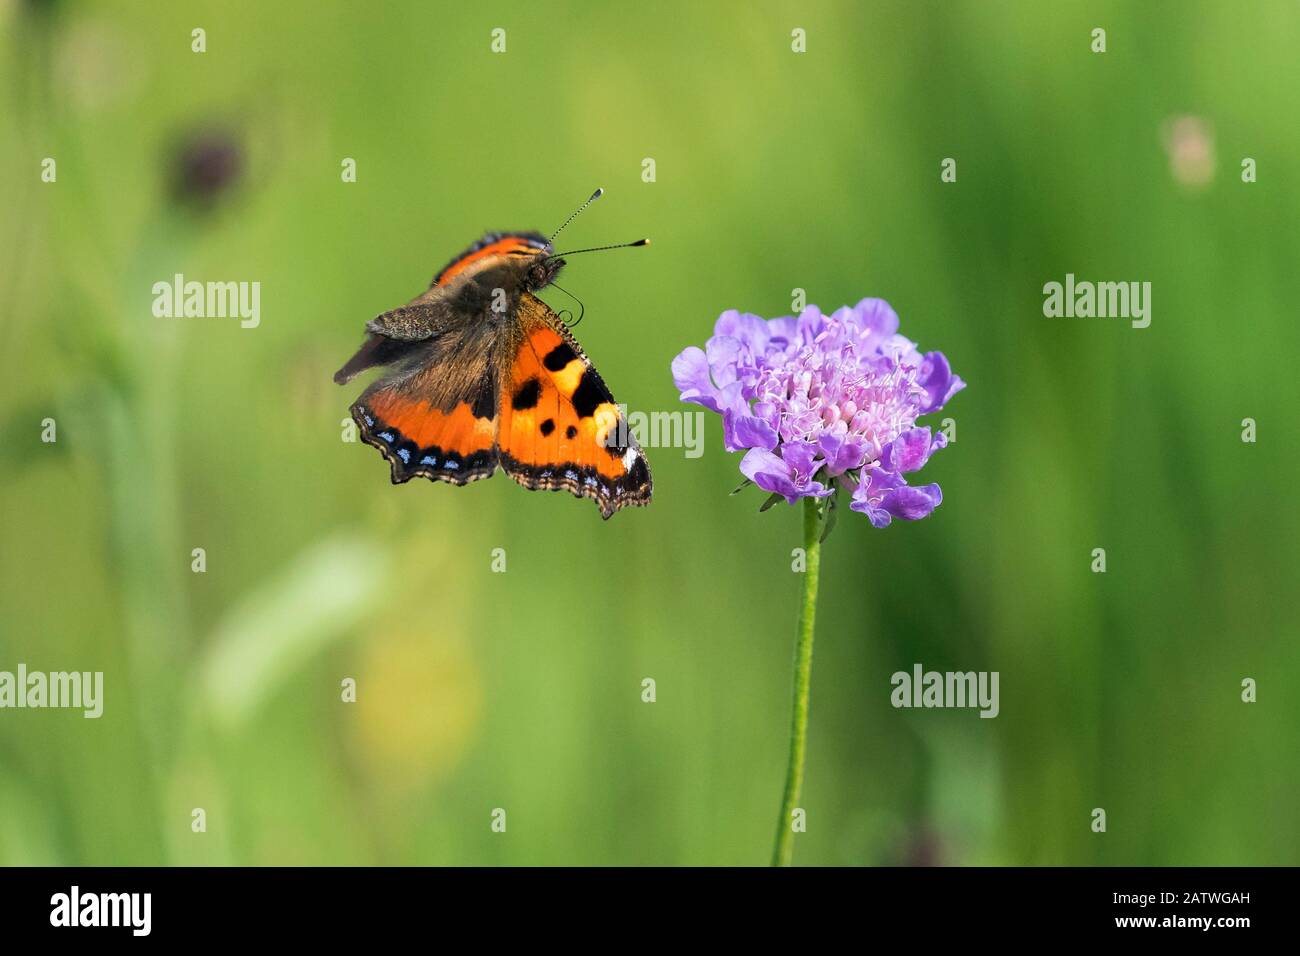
(530, 262)
(541, 271)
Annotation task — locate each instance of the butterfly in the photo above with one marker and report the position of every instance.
(481, 374)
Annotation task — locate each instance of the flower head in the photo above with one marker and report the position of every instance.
(821, 400)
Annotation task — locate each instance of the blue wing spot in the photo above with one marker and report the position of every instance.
(386, 436)
(428, 460)
(450, 465)
(405, 455)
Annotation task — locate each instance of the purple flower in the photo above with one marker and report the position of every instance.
(820, 400)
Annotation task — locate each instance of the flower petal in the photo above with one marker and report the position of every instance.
(691, 376)
(877, 316)
(863, 503)
(802, 457)
(909, 451)
(770, 473)
(841, 451)
(750, 330)
(831, 441)
(740, 431)
(939, 382)
(912, 504)
(723, 352)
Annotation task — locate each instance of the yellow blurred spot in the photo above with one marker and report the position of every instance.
(419, 699)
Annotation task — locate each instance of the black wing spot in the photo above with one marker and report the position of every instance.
(526, 396)
(589, 395)
(547, 427)
(558, 357)
(570, 432)
(639, 473)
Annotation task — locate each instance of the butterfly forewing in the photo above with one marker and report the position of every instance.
(559, 426)
(434, 422)
(490, 247)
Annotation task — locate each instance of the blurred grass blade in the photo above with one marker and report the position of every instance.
(278, 627)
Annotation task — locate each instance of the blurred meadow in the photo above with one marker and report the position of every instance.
(775, 170)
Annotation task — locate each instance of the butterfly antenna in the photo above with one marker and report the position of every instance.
(582, 309)
(620, 245)
(576, 213)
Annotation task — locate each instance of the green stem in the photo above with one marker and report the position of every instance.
(813, 522)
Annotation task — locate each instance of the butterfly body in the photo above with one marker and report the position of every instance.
(481, 374)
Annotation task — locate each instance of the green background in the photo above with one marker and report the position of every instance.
(522, 690)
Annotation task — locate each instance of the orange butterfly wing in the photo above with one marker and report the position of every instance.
(558, 425)
(418, 438)
(492, 247)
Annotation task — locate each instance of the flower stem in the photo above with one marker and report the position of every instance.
(814, 520)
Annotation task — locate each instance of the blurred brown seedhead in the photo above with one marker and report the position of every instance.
(205, 168)
(923, 847)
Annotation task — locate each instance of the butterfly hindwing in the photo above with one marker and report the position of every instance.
(435, 418)
(558, 425)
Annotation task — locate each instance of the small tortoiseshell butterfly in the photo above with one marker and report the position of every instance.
(481, 373)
